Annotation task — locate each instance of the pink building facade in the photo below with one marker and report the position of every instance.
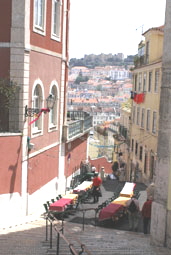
(34, 149)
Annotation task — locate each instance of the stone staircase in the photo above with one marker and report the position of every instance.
(102, 241)
(30, 239)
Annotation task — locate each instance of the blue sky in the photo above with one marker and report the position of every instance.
(111, 26)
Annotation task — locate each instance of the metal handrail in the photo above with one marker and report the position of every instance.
(73, 251)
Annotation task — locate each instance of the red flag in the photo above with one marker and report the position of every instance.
(139, 98)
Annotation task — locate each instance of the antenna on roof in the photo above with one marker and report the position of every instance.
(141, 28)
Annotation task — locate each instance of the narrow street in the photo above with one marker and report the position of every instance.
(109, 239)
(108, 188)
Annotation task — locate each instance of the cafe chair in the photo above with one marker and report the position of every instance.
(47, 213)
(59, 215)
(76, 204)
(90, 193)
(99, 207)
(48, 203)
(84, 197)
(136, 193)
(70, 210)
(53, 200)
(103, 204)
(46, 208)
(115, 195)
(112, 198)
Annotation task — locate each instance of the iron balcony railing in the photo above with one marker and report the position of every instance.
(78, 123)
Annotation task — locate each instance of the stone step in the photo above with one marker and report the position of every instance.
(31, 239)
(102, 241)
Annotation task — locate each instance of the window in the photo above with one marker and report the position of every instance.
(152, 165)
(142, 117)
(149, 81)
(140, 82)
(144, 82)
(53, 112)
(133, 114)
(156, 85)
(141, 153)
(132, 146)
(148, 120)
(136, 148)
(138, 115)
(154, 127)
(39, 16)
(147, 52)
(135, 82)
(56, 19)
(145, 162)
(37, 104)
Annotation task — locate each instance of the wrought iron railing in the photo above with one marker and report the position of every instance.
(60, 235)
(77, 115)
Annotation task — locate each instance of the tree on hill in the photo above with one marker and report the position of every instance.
(99, 87)
(81, 78)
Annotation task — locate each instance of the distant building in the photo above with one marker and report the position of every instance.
(39, 145)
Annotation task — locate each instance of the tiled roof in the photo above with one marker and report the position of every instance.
(127, 85)
(160, 28)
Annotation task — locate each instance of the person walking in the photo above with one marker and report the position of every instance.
(96, 192)
(133, 213)
(146, 214)
(150, 190)
(93, 169)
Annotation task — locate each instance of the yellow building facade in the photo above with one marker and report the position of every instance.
(125, 133)
(145, 106)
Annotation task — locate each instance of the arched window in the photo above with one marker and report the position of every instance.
(37, 103)
(53, 115)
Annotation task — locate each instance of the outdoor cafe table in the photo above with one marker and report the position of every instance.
(74, 197)
(121, 200)
(60, 205)
(83, 186)
(110, 211)
(128, 189)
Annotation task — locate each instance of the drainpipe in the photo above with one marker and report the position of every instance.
(66, 60)
(169, 191)
(64, 74)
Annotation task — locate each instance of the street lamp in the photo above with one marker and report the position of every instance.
(50, 101)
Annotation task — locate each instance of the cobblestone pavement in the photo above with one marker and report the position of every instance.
(30, 238)
(108, 188)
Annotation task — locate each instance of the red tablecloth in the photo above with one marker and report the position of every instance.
(60, 204)
(109, 211)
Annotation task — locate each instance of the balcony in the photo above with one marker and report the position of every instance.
(140, 61)
(78, 124)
